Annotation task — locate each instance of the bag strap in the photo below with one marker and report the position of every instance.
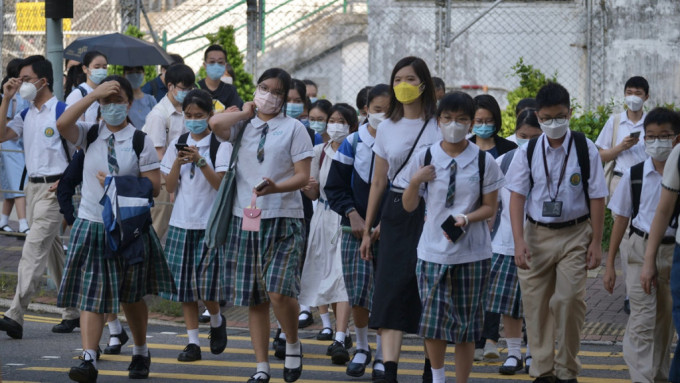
(237, 144)
(636, 175)
(583, 163)
(138, 142)
(481, 162)
(531, 147)
(323, 154)
(61, 107)
(82, 90)
(615, 131)
(214, 147)
(92, 135)
(507, 160)
(411, 151)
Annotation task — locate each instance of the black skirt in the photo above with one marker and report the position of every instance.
(396, 300)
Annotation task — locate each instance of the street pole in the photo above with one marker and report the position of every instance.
(129, 14)
(55, 11)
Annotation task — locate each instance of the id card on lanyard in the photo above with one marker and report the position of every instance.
(553, 207)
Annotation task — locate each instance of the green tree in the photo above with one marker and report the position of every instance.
(149, 71)
(243, 81)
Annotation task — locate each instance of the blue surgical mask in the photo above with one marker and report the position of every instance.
(114, 114)
(484, 131)
(313, 99)
(318, 126)
(97, 75)
(522, 141)
(196, 126)
(181, 94)
(136, 79)
(294, 110)
(215, 71)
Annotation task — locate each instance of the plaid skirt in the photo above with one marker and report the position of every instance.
(504, 292)
(186, 254)
(358, 274)
(454, 300)
(265, 261)
(97, 284)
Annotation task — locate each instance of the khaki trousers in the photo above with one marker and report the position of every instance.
(160, 214)
(42, 249)
(553, 292)
(649, 332)
(623, 248)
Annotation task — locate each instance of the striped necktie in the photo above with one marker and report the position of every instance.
(260, 147)
(451, 192)
(113, 162)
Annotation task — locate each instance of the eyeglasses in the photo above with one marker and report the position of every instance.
(275, 92)
(29, 79)
(651, 139)
(182, 89)
(484, 122)
(549, 121)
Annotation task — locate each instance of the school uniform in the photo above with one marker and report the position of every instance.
(163, 124)
(91, 281)
(348, 187)
(554, 286)
(199, 272)
(322, 281)
(13, 163)
(453, 277)
(396, 301)
(90, 115)
(268, 260)
(45, 162)
(649, 331)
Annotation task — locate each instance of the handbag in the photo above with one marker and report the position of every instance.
(251, 216)
(220, 215)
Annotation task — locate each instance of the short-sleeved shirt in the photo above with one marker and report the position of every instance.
(571, 190)
(224, 96)
(96, 160)
(627, 158)
(90, 116)
(671, 177)
(16, 105)
(286, 143)
(43, 148)
(394, 140)
(621, 202)
(503, 242)
(164, 123)
(475, 244)
(194, 197)
(140, 108)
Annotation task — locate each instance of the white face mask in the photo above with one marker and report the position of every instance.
(454, 132)
(659, 149)
(554, 130)
(634, 103)
(374, 119)
(28, 91)
(227, 80)
(337, 132)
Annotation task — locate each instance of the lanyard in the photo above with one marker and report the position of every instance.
(564, 167)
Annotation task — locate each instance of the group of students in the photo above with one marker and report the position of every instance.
(426, 220)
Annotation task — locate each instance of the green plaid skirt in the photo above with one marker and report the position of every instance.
(358, 274)
(97, 284)
(265, 261)
(504, 293)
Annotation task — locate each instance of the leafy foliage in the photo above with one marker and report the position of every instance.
(149, 71)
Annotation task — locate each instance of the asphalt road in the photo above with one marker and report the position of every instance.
(46, 357)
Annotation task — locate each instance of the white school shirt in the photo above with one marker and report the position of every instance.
(475, 244)
(194, 197)
(621, 202)
(394, 140)
(503, 242)
(164, 123)
(96, 160)
(571, 191)
(287, 142)
(627, 158)
(43, 148)
(90, 115)
(317, 166)
(671, 177)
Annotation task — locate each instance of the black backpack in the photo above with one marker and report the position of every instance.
(481, 163)
(214, 145)
(636, 178)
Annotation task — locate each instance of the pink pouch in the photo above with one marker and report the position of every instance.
(251, 216)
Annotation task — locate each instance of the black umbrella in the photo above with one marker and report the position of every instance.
(120, 49)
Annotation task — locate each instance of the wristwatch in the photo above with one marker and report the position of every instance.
(351, 209)
(201, 162)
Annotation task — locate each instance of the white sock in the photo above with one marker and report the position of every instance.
(115, 328)
(216, 320)
(340, 337)
(303, 308)
(438, 375)
(23, 224)
(378, 348)
(326, 320)
(193, 336)
(4, 219)
(293, 349)
(514, 347)
(282, 335)
(261, 367)
(362, 338)
(140, 350)
(90, 355)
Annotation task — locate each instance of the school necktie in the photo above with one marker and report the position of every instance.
(451, 192)
(113, 162)
(260, 147)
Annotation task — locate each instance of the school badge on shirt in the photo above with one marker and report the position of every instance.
(49, 132)
(575, 179)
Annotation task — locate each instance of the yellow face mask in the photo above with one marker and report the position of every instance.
(407, 93)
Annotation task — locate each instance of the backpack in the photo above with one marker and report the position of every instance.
(214, 145)
(82, 90)
(636, 178)
(581, 154)
(481, 163)
(61, 107)
(137, 139)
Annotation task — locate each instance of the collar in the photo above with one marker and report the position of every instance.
(124, 134)
(365, 136)
(565, 143)
(625, 119)
(649, 167)
(273, 123)
(205, 141)
(49, 104)
(166, 106)
(442, 159)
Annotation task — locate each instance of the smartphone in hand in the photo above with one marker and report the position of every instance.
(635, 135)
(181, 147)
(261, 185)
(454, 232)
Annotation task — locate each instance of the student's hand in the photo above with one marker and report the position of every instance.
(11, 87)
(609, 279)
(594, 256)
(183, 157)
(53, 187)
(365, 248)
(357, 223)
(522, 255)
(424, 174)
(191, 153)
(312, 183)
(249, 108)
(106, 89)
(629, 142)
(375, 235)
(270, 188)
(460, 221)
(232, 109)
(101, 176)
(648, 276)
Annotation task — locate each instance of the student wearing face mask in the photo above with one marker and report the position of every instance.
(649, 331)
(157, 87)
(621, 145)
(224, 95)
(143, 102)
(322, 281)
(487, 124)
(95, 67)
(163, 124)
(362, 104)
(312, 90)
(318, 117)
(453, 272)
(563, 203)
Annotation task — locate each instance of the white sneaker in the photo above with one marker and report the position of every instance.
(479, 354)
(491, 351)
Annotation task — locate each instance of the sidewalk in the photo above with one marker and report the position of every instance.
(605, 318)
